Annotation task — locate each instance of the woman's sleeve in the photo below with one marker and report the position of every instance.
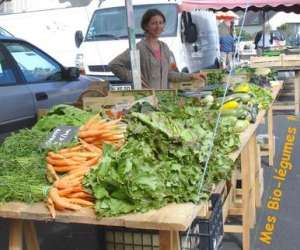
(175, 76)
(121, 66)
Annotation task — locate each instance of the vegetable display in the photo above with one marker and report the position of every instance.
(150, 157)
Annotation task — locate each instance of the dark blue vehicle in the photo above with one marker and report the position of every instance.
(31, 80)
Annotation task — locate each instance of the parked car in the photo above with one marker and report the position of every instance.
(294, 40)
(30, 80)
(5, 33)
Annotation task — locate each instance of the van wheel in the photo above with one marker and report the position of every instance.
(185, 70)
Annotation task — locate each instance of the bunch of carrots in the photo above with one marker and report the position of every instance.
(67, 167)
(99, 132)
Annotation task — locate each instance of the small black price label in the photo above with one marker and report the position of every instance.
(61, 135)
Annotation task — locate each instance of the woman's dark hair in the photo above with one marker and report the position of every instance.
(148, 15)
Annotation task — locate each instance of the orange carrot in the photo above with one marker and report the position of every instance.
(82, 195)
(66, 191)
(79, 159)
(81, 154)
(73, 149)
(63, 162)
(91, 162)
(55, 155)
(52, 172)
(61, 202)
(51, 208)
(91, 121)
(80, 201)
(67, 183)
(75, 175)
(90, 147)
(63, 169)
(89, 133)
(78, 170)
(90, 140)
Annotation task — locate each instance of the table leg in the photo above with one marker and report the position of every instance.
(245, 168)
(30, 236)
(297, 93)
(169, 240)
(258, 179)
(252, 172)
(15, 235)
(271, 144)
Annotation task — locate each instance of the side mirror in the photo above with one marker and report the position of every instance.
(71, 73)
(78, 38)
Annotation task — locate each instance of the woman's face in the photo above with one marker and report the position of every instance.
(155, 26)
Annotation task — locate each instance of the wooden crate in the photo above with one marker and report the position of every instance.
(98, 103)
(237, 78)
(190, 85)
(41, 113)
(265, 61)
(135, 93)
(290, 60)
(119, 102)
(165, 91)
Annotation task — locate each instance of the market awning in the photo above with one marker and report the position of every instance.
(226, 15)
(277, 5)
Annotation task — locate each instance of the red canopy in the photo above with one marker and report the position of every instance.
(278, 5)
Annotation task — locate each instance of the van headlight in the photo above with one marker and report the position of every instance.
(79, 63)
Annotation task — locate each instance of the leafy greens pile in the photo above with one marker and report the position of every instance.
(162, 161)
(22, 167)
(22, 159)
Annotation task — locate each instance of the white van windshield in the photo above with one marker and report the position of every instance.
(111, 23)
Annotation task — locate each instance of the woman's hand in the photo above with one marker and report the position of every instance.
(145, 85)
(199, 76)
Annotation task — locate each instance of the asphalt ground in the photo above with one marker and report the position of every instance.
(278, 219)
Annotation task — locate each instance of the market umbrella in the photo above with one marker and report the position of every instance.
(255, 5)
(278, 5)
(226, 15)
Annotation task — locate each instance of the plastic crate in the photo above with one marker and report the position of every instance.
(205, 234)
(129, 239)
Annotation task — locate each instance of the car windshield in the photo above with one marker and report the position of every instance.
(111, 23)
(5, 33)
(35, 66)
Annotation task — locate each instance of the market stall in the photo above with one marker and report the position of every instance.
(166, 216)
(168, 220)
(280, 63)
(284, 63)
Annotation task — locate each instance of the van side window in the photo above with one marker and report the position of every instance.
(35, 65)
(7, 76)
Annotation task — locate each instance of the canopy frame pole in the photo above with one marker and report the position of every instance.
(134, 53)
(264, 29)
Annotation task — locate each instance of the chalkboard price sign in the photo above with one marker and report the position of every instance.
(61, 135)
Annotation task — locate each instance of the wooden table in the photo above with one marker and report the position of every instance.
(296, 105)
(168, 220)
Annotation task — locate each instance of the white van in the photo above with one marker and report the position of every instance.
(107, 36)
(49, 24)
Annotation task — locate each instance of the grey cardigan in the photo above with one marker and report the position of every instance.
(157, 74)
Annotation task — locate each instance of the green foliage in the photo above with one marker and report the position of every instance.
(163, 160)
(62, 115)
(22, 167)
(22, 157)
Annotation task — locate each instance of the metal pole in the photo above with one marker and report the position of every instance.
(264, 30)
(134, 53)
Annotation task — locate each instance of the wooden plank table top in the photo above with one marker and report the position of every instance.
(175, 217)
(286, 68)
